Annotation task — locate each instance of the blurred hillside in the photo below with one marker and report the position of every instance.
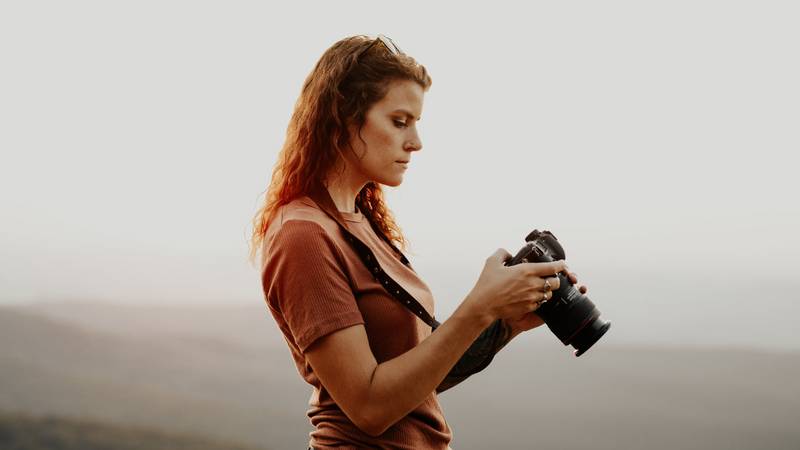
(188, 380)
(22, 432)
(226, 373)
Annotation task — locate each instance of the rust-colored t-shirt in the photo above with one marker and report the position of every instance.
(314, 284)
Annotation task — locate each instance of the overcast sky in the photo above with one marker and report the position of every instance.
(658, 142)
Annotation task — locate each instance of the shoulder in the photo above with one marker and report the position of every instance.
(303, 209)
(301, 227)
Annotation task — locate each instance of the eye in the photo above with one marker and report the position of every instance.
(399, 124)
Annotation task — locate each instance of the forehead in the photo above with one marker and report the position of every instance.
(402, 94)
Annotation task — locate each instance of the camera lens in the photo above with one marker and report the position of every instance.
(573, 318)
(588, 335)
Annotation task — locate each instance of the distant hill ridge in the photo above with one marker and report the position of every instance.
(26, 432)
(233, 389)
(228, 375)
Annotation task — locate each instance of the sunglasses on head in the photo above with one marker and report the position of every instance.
(388, 43)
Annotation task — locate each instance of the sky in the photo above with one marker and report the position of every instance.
(657, 141)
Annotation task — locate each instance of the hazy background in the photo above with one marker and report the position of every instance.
(657, 141)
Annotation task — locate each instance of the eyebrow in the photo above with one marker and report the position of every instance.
(407, 113)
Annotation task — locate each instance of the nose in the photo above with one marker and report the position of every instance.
(414, 143)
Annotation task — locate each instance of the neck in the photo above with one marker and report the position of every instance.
(344, 188)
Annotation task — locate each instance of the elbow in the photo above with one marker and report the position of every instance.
(371, 423)
(371, 414)
(373, 431)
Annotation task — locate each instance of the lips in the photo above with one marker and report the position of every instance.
(404, 162)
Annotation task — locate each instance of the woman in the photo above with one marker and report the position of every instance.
(355, 315)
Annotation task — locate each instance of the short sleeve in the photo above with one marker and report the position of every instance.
(306, 284)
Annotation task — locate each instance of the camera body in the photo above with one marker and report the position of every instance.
(570, 315)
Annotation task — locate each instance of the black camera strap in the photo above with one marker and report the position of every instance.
(482, 350)
(323, 199)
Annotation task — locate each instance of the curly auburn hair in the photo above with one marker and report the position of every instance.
(350, 77)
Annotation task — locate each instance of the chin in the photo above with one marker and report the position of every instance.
(393, 182)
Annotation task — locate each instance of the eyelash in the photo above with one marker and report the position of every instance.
(399, 124)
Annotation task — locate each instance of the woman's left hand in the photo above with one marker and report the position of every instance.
(532, 320)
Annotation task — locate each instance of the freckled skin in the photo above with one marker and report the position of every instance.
(388, 136)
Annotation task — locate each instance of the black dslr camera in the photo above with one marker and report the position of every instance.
(570, 315)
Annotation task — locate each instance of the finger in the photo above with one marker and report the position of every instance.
(545, 269)
(583, 289)
(573, 277)
(501, 255)
(549, 284)
(534, 305)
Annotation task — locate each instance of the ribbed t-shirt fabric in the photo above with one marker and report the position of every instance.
(314, 284)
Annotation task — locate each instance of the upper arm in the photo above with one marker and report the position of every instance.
(307, 284)
(344, 363)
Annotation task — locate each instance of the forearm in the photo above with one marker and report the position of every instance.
(513, 331)
(480, 353)
(402, 383)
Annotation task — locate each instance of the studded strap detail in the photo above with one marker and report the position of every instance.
(323, 199)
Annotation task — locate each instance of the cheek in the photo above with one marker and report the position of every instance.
(386, 138)
(382, 143)
(391, 141)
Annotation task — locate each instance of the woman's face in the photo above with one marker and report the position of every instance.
(389, 135)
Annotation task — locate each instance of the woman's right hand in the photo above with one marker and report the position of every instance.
(502, 292)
